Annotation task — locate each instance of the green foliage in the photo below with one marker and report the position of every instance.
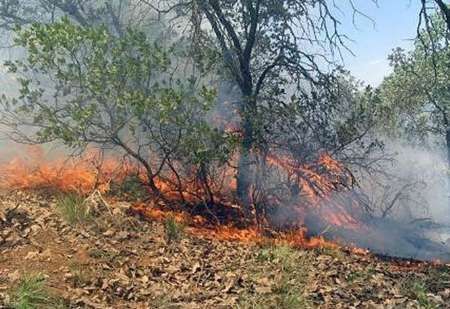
(85, 85)
(131, 187)
(174, 231)
(90, 68)
(31, 292)
(414, 99)
(72, 208)
(277, 254)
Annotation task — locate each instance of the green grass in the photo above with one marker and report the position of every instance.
(73, 209)
(333, 252)
(287, 287)
(31, 292)
(418, 290)
(173, 230)
(284, 256)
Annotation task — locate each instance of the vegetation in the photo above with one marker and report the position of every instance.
(287, 289)
(173, 230)
(228, 103)
(122, 88)
(130, 188)
(31, 293)
(81, 275)
(418, 291)
(415, 96)
(264, 61)
(73, 209)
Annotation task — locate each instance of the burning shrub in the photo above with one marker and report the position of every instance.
(85, 86)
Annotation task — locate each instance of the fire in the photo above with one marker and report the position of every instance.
(318, 182)
(79, 174)
(93, 171)
(315, 180)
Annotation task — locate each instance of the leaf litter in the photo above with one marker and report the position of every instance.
(121, 261)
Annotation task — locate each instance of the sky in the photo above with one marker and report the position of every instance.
(394, 25)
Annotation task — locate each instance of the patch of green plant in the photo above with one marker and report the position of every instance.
(173, 230)
(73, 209)
(163, 301)
(31, 292)
(289, 295)
(291, 267)
(284, 256)
(438, 278)
(131, 187)
(361, 275)
(418, 290)
(355, 276)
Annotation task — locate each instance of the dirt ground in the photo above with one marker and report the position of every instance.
(115, 260)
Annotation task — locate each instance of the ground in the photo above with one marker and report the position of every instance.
(116, 260)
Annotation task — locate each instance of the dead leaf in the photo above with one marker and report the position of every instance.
(14, 276)
(32, 255)
(263, 290)
(195, 268)
(109, 233)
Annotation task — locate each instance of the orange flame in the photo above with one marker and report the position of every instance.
(92, 171)
(81, 174)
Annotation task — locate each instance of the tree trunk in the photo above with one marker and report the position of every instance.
(245, 171)
(447, 140)
(154, 191)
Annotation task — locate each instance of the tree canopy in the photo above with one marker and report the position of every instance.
(159, 100)
(416, 95)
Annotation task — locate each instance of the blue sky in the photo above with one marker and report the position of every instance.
(395, 25)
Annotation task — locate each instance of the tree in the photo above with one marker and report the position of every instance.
(416, 95)
(86, 86)
(274, 51)
(86, 13)
(431, 7)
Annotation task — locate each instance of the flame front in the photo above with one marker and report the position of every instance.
(92, 171)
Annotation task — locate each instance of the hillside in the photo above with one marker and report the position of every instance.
(111, 259)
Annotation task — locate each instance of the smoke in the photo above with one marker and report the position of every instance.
(427, 172)
(403, 209)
